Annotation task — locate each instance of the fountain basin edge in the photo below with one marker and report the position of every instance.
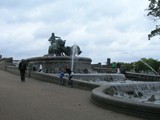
(142, 110)
(54, 78)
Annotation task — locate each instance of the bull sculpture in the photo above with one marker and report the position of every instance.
(58, 48)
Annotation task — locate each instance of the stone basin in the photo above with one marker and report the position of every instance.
(107, 97)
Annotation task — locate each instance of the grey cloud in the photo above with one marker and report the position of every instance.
(98, 27)
(16, 4)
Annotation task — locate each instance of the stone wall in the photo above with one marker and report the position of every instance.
(52, 64)
(142, 77)
(53, 78)
(5, 62)
(103, 68)
(12, 69)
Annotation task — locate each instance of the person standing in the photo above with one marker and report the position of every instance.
(22, 68)
(70, 82)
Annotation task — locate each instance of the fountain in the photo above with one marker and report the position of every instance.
(59, 56)
(137, 98)
(93, 77)
(115, 92)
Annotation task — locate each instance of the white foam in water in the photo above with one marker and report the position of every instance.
(99, 77)
(122, 86)
(146, 89)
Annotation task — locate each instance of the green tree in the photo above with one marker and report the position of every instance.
(141, 66)
(154, 63)
(129, 66)
(154, 13)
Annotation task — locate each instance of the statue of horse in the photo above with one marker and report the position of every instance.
(57, 47)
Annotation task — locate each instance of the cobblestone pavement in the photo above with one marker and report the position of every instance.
(37, 100)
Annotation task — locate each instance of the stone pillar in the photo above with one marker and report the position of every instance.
(108, 62)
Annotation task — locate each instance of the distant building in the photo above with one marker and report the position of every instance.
(108, 68)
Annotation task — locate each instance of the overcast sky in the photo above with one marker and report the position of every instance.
(115, 29)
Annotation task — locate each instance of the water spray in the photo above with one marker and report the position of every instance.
(141, 61)
(74, 51)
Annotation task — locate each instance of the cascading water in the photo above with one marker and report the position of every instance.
(100, 77)
(137, 91)
(140, 86)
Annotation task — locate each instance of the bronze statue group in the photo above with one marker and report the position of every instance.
(58, 48)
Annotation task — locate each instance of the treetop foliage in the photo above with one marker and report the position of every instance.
(154, 12)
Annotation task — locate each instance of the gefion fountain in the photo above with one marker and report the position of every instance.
(140, 99)
(59, 56)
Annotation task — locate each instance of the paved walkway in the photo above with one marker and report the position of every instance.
(37, 100)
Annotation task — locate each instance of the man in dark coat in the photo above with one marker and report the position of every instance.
(22, 68)
(70, 82)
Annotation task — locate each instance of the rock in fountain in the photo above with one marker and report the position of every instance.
(152, 98)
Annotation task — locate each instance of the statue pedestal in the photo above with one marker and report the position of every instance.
(52, 64)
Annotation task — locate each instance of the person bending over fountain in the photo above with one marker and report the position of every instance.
(69, 71)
